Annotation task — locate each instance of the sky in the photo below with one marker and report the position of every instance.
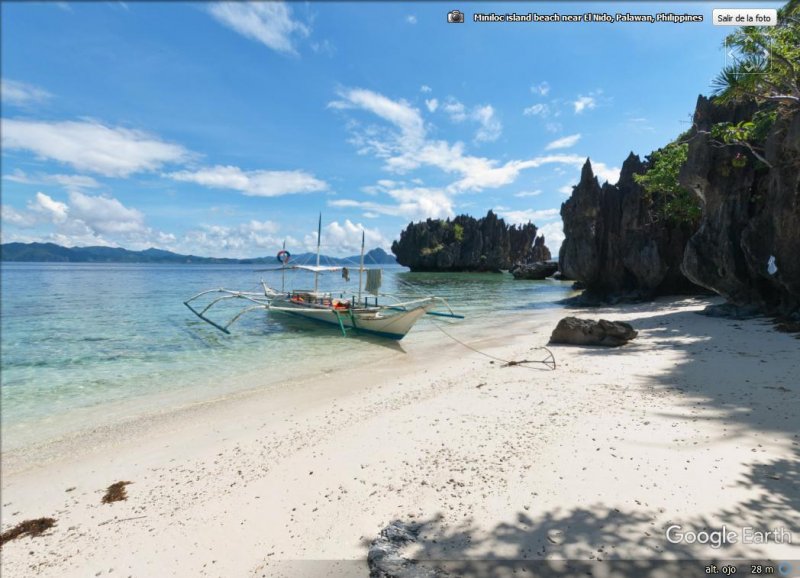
(225, 129)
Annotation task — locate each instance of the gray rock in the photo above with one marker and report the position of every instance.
(574, 331)
(747, 247)
(385, 559)
(614, 246)
(534, 270)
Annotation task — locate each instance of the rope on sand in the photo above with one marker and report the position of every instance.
(549, 360)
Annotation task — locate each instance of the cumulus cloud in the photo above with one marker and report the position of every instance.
(584, 103)
(91, 146)
(455, 110)
(425, 88)
(553, 236)
(520, 217)
(52, 210)
(345, 238)
(252, 183)
(564, 142)
(21, 93)
(105, 214)
(432, 104)
(414, 203)
(490, 127)
(411, 19)
(542, 89)
(270, 23)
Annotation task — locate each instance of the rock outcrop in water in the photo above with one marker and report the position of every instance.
(612, 244)
(747, 247)
(467, 244)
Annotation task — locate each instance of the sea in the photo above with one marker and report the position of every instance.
(84, 344)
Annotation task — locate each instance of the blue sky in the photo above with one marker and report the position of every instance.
(223, 129)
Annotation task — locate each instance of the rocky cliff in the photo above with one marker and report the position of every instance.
(615, 245)
(467, 244)
(747, 247)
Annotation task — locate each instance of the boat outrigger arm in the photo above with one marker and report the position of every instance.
(389, 320)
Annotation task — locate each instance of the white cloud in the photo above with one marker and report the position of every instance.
(537, 110)
(432, 104)
(11, 216)
(584, 103)
(91, 146)
(21, 93)
(535, 193)
(240, 241)
(553, 236)
(425, 88)
(605, 173)
(105, 214)
(566, 189)
(53, 210)
(345, 239)
(252, 183)
(553, 127)
(520, 217)
(270, 23)
(564, 142)
(411, 19)
(455, 110)
(415, 203)
(542, 89)
(491, 127)
(69, 182)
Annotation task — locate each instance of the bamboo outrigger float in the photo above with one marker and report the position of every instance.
(362, 312)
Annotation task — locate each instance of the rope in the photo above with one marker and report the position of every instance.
(549, 361)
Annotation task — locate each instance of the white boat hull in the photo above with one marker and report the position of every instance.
(382, 322)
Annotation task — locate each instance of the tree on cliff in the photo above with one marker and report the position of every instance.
(768, 69)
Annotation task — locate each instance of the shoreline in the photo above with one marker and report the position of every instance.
(689, 423)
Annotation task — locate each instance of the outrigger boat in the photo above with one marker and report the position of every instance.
(362, 312)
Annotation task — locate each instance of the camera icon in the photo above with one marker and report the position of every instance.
(455, 17)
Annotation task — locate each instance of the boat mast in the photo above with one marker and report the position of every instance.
(361, 267)
(283, 270)
(319, 240)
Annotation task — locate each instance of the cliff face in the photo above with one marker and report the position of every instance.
(612, 243)
(747, 247)
(466, 244)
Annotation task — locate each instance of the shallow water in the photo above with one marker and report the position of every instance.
(91, 336)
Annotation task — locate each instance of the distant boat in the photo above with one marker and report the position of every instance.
(361, 312)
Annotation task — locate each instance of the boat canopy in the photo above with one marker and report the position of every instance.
(313, 268)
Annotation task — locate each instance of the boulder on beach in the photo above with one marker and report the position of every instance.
(536, 271)
(574, 331)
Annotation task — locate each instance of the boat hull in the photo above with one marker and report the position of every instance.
(394, 325)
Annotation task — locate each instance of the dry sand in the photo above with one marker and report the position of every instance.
(694, 423)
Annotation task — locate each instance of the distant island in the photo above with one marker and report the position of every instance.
(52, 253)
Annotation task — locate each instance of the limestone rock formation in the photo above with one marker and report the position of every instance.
(466, 244)
(614, 246)
(747, 247)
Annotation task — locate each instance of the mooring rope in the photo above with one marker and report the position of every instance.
(549, 361)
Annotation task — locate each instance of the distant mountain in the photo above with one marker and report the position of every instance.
(52, 253)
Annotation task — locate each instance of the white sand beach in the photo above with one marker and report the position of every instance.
(694, 423)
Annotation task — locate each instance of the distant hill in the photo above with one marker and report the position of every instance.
(52, 253)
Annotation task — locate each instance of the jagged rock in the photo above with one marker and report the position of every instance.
(574, 331)
(747, 247)
(614, 246)
(384, 557)
(466, 244)
(535, 271)
(540, 251)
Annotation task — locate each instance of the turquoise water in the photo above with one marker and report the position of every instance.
(78, 336)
